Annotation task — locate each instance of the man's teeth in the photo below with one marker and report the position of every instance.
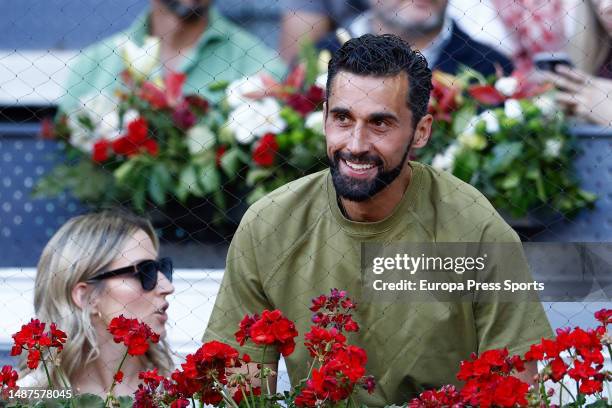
(359, 166)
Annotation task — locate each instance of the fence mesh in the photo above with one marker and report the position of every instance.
(189, 121)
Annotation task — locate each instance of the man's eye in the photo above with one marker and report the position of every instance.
(379, 123)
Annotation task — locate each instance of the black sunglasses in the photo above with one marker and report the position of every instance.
(146, 271)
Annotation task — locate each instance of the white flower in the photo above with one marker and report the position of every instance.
(472, 141)
(101, 112)
(507, 85)
(552, 148)
(512, 109)
(314, 121)
(446, 160)
(252, 120)
(490, 120)
(141, 61)
(546, 104)
(237, 90)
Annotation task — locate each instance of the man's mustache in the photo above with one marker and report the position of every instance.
(364, 158)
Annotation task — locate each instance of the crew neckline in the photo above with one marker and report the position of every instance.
(377, 227)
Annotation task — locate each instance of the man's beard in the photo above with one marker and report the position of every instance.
(361, 190)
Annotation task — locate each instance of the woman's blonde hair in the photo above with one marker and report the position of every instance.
(78, 251)
(590, 44)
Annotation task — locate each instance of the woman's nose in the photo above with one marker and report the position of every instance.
(164, 286)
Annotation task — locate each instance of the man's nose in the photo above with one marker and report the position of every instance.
(358, 143)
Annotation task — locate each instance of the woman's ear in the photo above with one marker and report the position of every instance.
(80, 296)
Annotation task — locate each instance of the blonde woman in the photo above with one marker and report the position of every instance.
(96, 267)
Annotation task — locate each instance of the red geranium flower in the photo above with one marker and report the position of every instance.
(8, 381)
(32, 337)
(242, 391)
(334, 310)
(447, 396)
(604, 316)
(201, 369)
(118, 377)
(136, 140)
(265, 150)
(101, 150)
(133, 334)
(272, 328)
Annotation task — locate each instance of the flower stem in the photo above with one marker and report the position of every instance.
(112, 388)
(568, 391)
(244, 396)
(42, 360)
(261, 375)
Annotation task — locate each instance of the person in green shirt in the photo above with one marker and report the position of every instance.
(195, 40)
(305, 238)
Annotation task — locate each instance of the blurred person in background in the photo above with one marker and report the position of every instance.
(261, 18)
(314, 20)
(585, 91)
(190, 36)
(96, 267)
(426, 26)
(518, 29)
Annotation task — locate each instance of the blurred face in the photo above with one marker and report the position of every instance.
(368, 128)
(603, 9)
(411, 16)
(124, 294)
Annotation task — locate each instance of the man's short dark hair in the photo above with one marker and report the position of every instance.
(385, 55)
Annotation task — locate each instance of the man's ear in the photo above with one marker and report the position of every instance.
(422, 132)
(80, 296)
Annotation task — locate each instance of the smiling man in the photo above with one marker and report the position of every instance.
(305, 238)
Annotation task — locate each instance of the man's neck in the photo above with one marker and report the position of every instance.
(417, 41)
(176, 36)
(382, 204)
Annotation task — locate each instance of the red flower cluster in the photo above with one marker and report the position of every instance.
(585, 349)
(272, 328)
(445, 96)
(604, 316)
(201, 369)
(337, 378)
(489, 95)
(306, 102)
(134, 142)
(488, 380)
(133, 334)
(320, 342)
(145, 396)
(242, 391)
(32, 337)
(265, 150)
(334, 310)
(8, 381)
(447, 396)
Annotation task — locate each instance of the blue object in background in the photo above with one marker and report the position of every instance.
(26, 224)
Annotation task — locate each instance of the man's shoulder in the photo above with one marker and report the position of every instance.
(301, 199)
(461, 208)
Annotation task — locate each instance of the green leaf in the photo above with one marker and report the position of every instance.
(511, 181)
(256, 175)
(125, 401)
(461, 119)
(88, 401)
(124, 171)
(466, 164)
(503, 155)
(188, 184)
(159, 183)
(218, 86)
(231, 161)
(200, 138)
(209, 178)
(256, 194)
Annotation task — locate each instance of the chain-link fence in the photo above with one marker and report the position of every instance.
(187, 113)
